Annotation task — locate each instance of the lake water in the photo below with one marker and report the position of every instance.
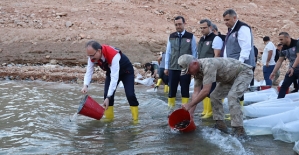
(35, 119)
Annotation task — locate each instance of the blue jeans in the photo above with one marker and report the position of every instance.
(267, 71)
(288, 80)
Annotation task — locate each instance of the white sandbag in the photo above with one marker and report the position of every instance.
(255, 98)
(293, 96)
(139, 76)
(287, 132)
(260, 111)
(146, 82)
(152, 90)
(296, 147)
(274, 103)
(264, 125)
(268, 91)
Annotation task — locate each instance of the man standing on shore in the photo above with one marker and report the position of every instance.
(179, 43)
(118, 68)
(268, 59)
(290, 50)
(209, 46)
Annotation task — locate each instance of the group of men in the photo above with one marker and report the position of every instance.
(222, 66)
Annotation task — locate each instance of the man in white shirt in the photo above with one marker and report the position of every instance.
(238, 43)
(118, 68)
(268, 59)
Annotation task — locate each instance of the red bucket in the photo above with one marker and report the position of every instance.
(178, 116)
(278, 89)
(90, 108)
(265, 87)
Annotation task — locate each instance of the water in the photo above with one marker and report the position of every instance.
(35, 119)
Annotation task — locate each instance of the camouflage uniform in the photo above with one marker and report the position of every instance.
(232, 77)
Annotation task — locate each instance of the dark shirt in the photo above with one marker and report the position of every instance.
(256, 51)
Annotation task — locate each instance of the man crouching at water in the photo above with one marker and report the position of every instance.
(232, 77)
(118, 68)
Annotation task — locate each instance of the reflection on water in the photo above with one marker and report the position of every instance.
(35, 119)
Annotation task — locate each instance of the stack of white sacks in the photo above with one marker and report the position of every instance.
(269, 115)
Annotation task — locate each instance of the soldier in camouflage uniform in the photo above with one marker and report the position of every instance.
(232, 77)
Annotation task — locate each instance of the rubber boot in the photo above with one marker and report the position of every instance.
(171, 102)
(134, 111)
(204, 104)
(109, 113)
(159, 82)
(166, 89)
(209, 112)
(185, 100)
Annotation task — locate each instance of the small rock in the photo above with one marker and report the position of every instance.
(44, 77)
(11, 77)
(68, 38)
(82, 35)
(53, 62)
(4, 64)
(88, 37)
(61, 14)
(1, 50)
(253, 4)
(68, 24)
(32, 78)
(48, 56)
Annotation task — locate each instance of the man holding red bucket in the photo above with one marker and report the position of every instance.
(232, 77)
(118, 68)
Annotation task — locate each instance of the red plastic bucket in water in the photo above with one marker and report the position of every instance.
(265, 87)
(278, 89)
(90, 108)
(179, 116)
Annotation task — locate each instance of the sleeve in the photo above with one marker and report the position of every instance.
(217, 43)
(89, 72)
(114, 74)
(168, 52)
(194, 47)
(244, 39)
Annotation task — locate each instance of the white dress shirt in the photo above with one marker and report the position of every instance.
(244, 39)
(114, 67)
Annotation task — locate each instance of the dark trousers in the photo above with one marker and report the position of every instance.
(252, 81)
(295, 84)
(163, 76)
(127, 77)
(174, 79)
(287, 82)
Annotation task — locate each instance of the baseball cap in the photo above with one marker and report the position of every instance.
(184, 62)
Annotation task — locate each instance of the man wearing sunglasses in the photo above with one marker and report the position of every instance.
(118, 68)
(232, 77)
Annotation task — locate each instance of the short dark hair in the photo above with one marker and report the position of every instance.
(180, 17)
(147, 64)
(230, 12)
(209, 23)
(266, 38)
(214, 27)
(284, 34)
(94, 44)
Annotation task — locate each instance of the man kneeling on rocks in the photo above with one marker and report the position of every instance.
(233, 78)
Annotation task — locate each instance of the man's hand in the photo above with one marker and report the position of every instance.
(187, 106)
(290, 71)
(272, 76)
(267, 64)
(84, 89)
(106, 103)
(166, 72)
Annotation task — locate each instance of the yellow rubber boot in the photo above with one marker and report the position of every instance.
(166, 89)
(242, 103)
(159, 82)
(209, 112)
(204, 103)
(171, 102)
(109, 113)
(134, 111)
(185, 100)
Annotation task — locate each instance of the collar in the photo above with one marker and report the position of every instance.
(235, 25)
(182, 32)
